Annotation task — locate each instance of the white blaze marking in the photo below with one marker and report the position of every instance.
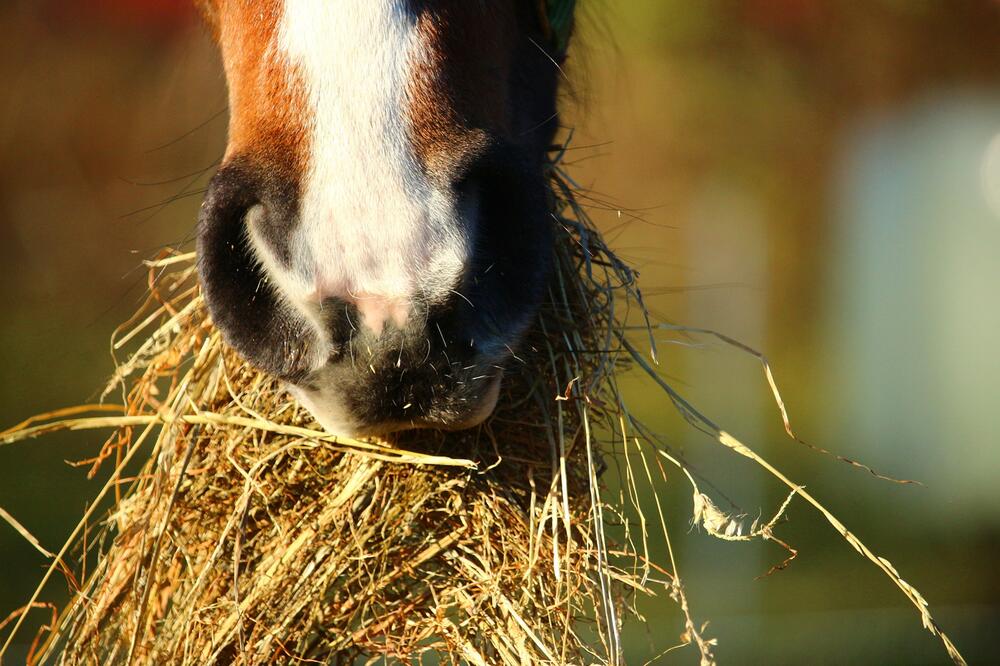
(373, 230)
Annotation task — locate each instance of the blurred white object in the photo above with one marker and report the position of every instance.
(914, 318)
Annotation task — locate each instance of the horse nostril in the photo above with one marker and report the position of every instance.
(240, 299)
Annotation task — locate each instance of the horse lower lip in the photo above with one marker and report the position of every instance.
(486, 406)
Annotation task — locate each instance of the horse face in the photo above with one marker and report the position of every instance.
(378, 234)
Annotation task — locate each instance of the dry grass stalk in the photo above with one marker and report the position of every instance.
(247, 536)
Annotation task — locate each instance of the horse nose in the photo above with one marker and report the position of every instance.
(373, 334)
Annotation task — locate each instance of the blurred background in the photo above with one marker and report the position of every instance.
(817, 178)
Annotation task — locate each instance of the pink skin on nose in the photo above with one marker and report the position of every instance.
(375, 309)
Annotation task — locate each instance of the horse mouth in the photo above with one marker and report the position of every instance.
(338, 412)
(478, 415)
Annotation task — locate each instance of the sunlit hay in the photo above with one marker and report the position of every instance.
(248, 536)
